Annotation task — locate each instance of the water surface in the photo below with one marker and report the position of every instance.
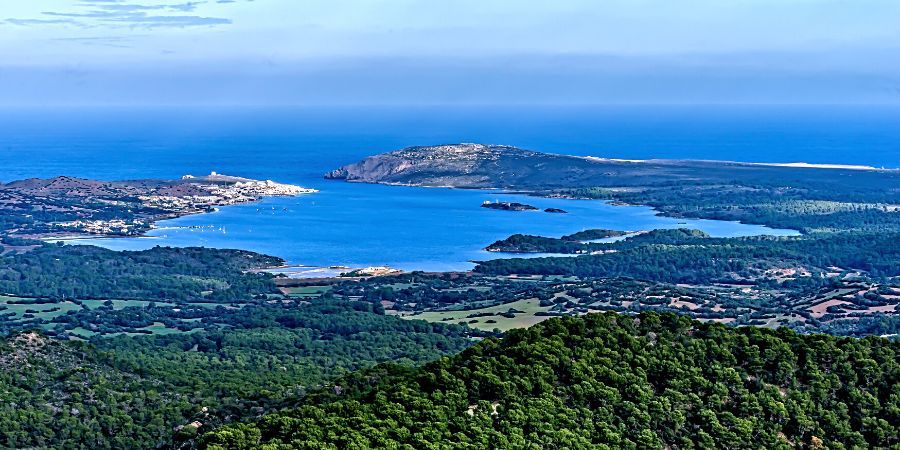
(432, 229)
(414, 228)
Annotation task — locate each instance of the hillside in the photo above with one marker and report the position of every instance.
(610, 381)
(159, 390)
(63, 395)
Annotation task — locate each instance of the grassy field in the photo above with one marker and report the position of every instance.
(121, 304)
(215, 305)
(305, 291)
(44, 311)
(66, 305)
(521, 320)
(79, 331)
(155, 328)
(48, 311)
(782, 320)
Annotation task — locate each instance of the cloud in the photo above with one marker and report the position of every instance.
(123, 13)
(148, 21)
(117, 6)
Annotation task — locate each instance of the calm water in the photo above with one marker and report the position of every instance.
(411, 228)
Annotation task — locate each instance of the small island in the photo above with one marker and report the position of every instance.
(508, 206)
(594, 234)
(525, 243)
(514, 206)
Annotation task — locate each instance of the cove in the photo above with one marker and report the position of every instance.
(409, 228)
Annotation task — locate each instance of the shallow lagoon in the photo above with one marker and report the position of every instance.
(409, 228)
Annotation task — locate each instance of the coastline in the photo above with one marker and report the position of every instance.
(136, 205)
(304, 249)
(793, 165)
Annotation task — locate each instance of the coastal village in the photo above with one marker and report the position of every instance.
(71, 206)
(221, 190)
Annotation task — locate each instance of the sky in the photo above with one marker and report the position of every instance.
(400, 52)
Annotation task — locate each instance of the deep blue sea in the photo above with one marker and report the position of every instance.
(413, 228)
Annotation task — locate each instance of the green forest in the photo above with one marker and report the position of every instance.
(146, 391)
(684, 257)
(163, 273)
(609, 381)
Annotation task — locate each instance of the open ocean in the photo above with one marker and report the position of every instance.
(413, 228)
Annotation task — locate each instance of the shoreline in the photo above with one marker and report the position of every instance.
(210, 193)
(789, 165)
(322, 270)
(806, 165)
(340, 272)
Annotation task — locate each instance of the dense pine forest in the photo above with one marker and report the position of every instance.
(151, 391)
(610, 381)
(681, 256)
(88, 272)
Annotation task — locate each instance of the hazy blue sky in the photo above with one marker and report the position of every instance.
(451, 51)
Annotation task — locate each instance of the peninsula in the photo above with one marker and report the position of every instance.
(35, 207)
(506, 167)
(769, 195)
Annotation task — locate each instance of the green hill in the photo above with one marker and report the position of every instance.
(609, 381)
(154, 391)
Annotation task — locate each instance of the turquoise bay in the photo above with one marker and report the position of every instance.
(432, 229)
